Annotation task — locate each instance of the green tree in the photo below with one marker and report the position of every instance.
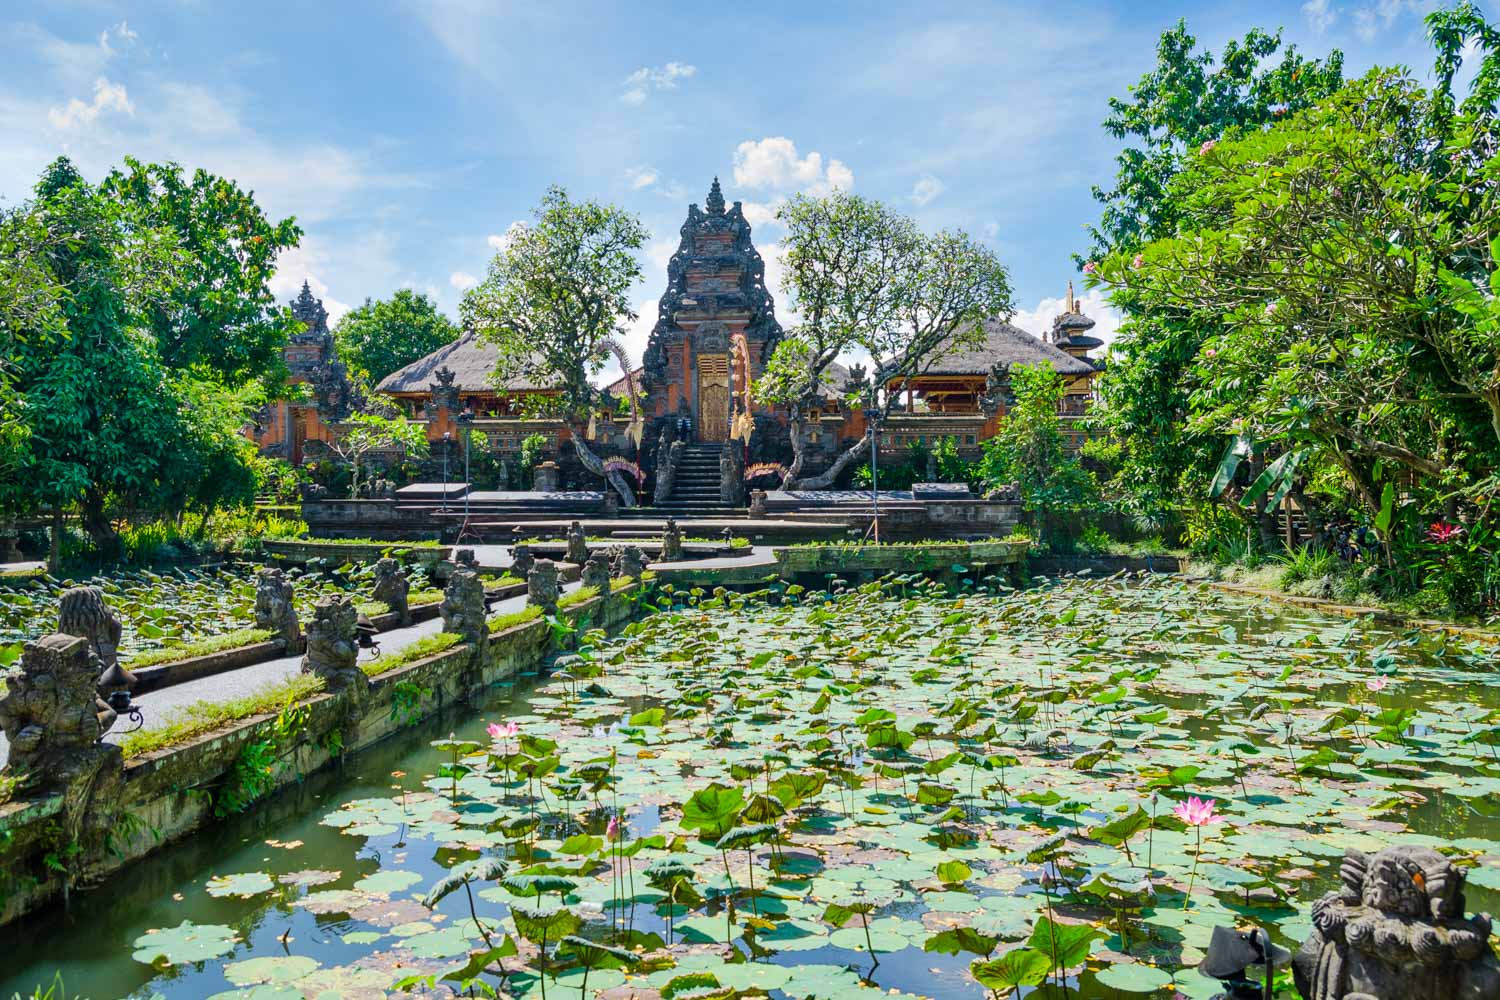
(1188, 99)
(1030, 451)
(220, 314)
(552, 302)
(385, 335)
(862, 276)
(366, 433)
(103, 422)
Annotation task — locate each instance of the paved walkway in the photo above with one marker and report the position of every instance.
(160, 707)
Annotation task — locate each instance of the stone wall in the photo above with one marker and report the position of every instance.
(168, 794)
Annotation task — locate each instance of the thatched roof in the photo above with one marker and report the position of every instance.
(1010, 345)
(471, 362)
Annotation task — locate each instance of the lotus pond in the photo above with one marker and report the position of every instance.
(163, 609)
(894, 788)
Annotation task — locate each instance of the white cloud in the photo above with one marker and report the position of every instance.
(462, 280)
(773, 163)
(1321, 14)
(761, 213)
(1092, 304)
(641, 177)
(638, 85)
(120, 34)
(499, 241)
(107, 97)
(927, 188)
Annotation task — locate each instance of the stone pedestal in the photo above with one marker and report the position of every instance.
(10, 549)
(757, 503)
(546, 478)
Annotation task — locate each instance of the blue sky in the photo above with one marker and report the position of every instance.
(405, 137)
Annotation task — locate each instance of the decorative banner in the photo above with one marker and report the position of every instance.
(765, 469)
(626, 466)
(744, 423)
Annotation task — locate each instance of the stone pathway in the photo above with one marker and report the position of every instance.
(159, 707)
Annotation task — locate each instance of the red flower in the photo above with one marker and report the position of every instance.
(1442, 532)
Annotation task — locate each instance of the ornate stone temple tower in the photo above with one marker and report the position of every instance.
(716, 289)
(284, 427)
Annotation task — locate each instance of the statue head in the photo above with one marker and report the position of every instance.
(82, 612)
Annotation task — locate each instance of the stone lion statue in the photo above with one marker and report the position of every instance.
(332, 650)
(1396, 930)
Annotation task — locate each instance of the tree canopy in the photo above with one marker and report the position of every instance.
(384, 335)
(552, 301)
(100, 415)
(861, 276)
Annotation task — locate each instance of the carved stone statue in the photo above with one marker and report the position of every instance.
(1396, 930)
(578, 548)
(82, 612)
(671, 541)
(596, 573)
(392, 588)
(463, 612)
(521, 560)
(732, 474)
(668, 457)
(49, 718)
(542, 586)
(630, 562)
(332, 651)
(274, 609)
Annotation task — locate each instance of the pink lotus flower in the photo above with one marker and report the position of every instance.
(1139, 262)
(1197, 812)
(1442, 532)
(1378, 684)
(497, 731)
(1210, 352)
(1090, 267)
(613, 829)
(1207, 147)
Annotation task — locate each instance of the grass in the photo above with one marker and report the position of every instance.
(206, 716)
(577, 597)
(198, 647)
(510, 619)
(382, 542)
(419, 650)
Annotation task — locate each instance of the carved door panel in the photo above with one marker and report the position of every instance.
(713, 399)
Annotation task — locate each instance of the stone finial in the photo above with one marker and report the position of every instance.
(671, 541)
(463, 612)
(631, 563)
(578, 547)
(332, 653)
(596, 573)
(1396, 930)
(392, 589)
(274, 608)
(521, 559)
(542, 587)
(715, 202)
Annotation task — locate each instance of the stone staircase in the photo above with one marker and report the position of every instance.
(696, 488)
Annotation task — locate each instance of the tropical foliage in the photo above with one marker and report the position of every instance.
(381, 336)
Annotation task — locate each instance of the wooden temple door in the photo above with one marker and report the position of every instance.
(713, 398)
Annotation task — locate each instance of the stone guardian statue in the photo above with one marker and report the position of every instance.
(578, 547)
(596, 573)
(1396, 930)
(332, 649)
(542, 587)
(274, 607)
(463, 612)
(392, 588)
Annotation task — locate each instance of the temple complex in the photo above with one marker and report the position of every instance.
(323, 394)
(715, 330)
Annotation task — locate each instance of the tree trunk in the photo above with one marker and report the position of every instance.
(827, 479)
(794, 424)
(595, 464)
(96, 522)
